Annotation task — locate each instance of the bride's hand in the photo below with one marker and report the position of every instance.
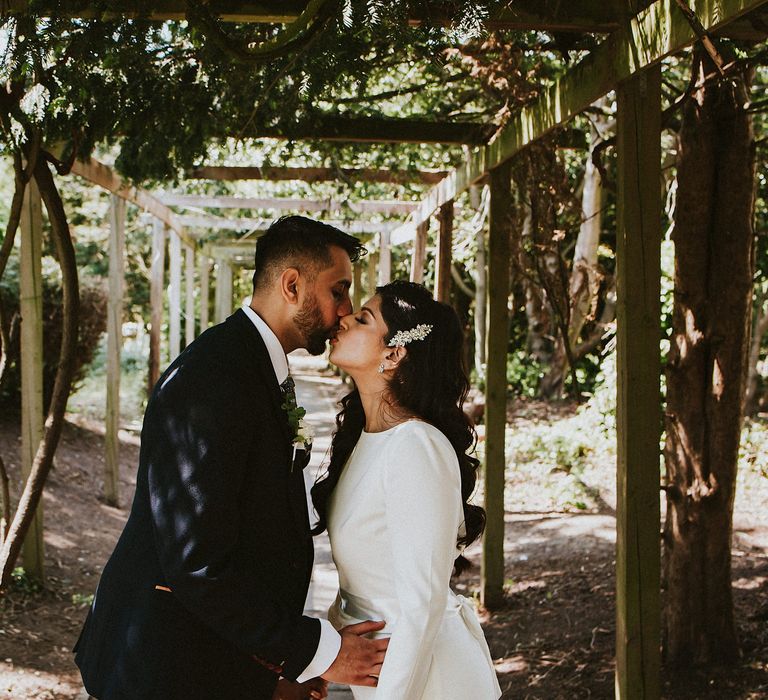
(314, 689)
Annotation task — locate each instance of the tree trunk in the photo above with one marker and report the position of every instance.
(584, 283)
(43, 461)
(714, 261)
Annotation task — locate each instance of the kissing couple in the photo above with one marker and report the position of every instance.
(203, 596)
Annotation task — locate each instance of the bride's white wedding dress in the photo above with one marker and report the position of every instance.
(393, 521)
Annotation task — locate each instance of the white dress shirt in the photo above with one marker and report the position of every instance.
(330, 640)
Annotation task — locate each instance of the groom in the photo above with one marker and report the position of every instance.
(202, 598)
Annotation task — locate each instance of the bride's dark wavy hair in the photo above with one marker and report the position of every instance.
(430, 382)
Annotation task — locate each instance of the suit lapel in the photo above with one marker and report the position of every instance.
(264, 368)
(263, 363)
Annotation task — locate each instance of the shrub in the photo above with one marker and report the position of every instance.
(93, 307)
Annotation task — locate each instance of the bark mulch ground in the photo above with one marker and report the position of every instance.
(553, 638)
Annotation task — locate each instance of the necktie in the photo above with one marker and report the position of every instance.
(288, 387)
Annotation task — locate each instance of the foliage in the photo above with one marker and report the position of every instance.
(93, 303)
(22, 582)
(88, 400)
(559, 459)
(523, 373)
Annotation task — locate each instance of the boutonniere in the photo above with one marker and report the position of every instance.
(301, 430)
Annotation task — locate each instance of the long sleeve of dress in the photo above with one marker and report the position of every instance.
(422, 487)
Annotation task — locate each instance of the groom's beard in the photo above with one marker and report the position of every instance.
(309, 322)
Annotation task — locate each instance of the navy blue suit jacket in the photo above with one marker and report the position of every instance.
(220, 518)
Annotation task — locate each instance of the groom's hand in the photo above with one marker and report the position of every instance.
(314, 689)
(359, 660)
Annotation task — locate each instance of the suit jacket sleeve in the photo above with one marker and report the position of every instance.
(197, 458)
(422, 487)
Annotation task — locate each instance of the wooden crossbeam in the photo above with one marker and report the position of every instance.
(332, 127)
(544, 15)
(286, 204)
(239, 253)
(395, 177)
(102, 175)
(655, 33)
(260, 225)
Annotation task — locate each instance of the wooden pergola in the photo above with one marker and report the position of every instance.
(638, 35)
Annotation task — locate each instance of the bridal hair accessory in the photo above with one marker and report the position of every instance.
(402, 338)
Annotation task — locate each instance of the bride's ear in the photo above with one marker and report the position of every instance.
(394, 357)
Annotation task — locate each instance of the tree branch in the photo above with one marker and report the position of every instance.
(312, 20)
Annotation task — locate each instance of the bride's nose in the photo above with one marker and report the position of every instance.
(344, 321)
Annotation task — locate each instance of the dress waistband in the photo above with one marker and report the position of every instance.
(371, 609)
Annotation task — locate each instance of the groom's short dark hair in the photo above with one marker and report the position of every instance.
(296, 241)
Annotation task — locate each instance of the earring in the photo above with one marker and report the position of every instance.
(381, 368)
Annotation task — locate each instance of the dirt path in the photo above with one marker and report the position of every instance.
(554, 638)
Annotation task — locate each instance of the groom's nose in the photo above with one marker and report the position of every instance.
(345, 308)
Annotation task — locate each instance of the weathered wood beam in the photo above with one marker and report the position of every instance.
(174, 296)
(373, 263)
(189, 282)
(102, 175)
(357, 285)
(655, 33)
(223, 289)
(456, 182)
(267, 12)
(638, 399)
(157, 271)
(258, 226)
(237, 253)
(205, 291)
(492, 570)
(385, 259)
(31, 309)
(385, 175)
(332, 127)
(543, 15)
(287, 204)
(444, 253)
(114, 346)
(419, 255)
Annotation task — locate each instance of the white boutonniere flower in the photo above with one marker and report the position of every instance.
(304, 435)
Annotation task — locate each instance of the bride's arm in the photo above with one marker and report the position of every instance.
(422, 487)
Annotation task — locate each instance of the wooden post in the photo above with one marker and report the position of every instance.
(492, 585)
(189, 279)
(156, 302)
(174, 297)
(223, 289)
(373, 259)
(114, 345)
(357, 285)
(31, 308)
(638, 405)
(444, 254)
(419, 252)
(205, 294)
(385, 259)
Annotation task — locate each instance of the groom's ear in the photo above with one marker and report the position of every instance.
(289, 285)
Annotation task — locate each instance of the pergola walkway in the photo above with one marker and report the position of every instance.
(640, 34)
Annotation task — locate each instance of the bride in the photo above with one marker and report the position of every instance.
(394, 500)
